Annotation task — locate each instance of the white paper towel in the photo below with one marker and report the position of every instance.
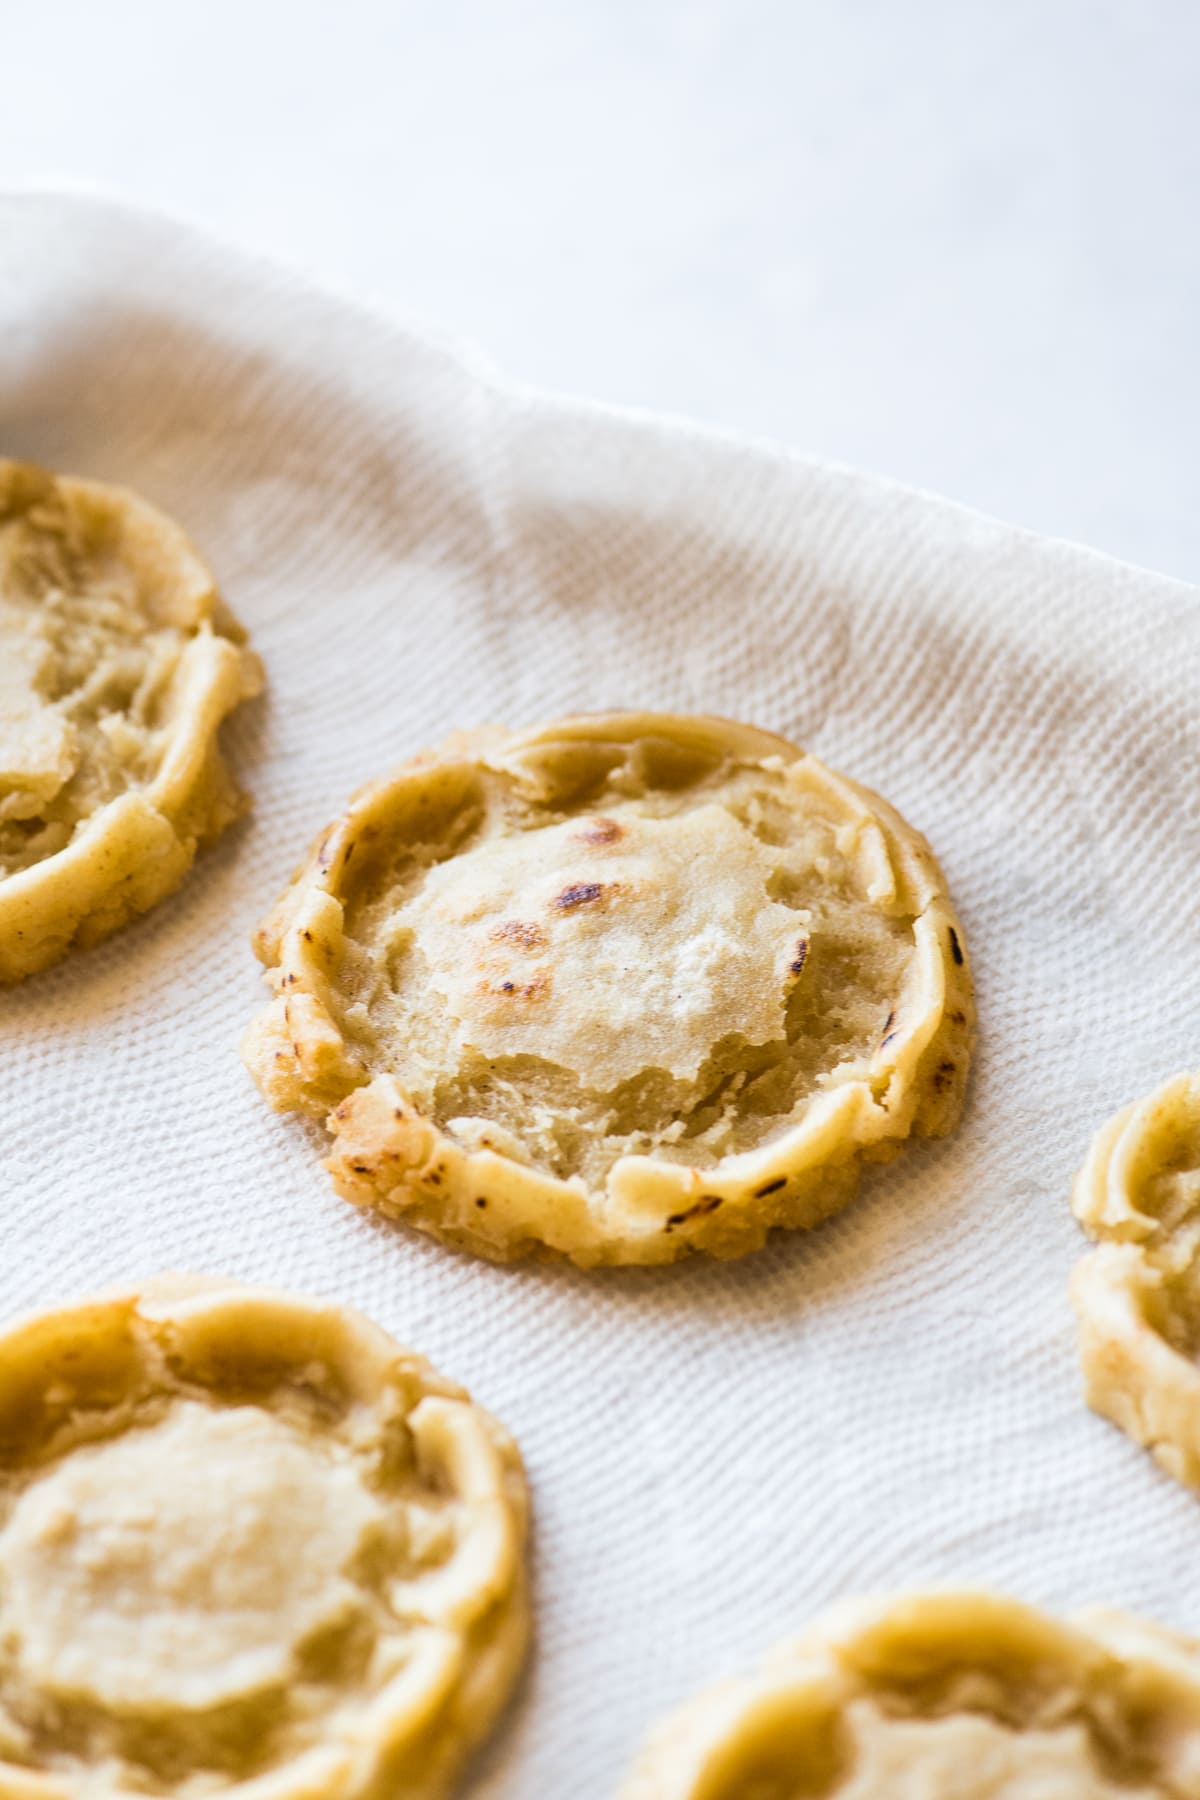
(716, 1452)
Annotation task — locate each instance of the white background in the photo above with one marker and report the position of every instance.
(955, 242)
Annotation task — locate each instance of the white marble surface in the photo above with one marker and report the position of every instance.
(953, 241)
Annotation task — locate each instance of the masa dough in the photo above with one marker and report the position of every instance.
(616, 988)
(181, 1564)
(1137, 1297)
(118, 662)
(943, 1696)
(248, 1546)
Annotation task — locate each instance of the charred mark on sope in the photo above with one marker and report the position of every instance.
(600, 831)
(770, 1187)
(799, 957)
(581, 893)
(536, 988)
(519, 932)
(707, 1203)
(955, 947)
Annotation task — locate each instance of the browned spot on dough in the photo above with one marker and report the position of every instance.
(481, 1203)
(770, 1187)
(599, 831)
(518, 931)
(955, 947)
(943, 1076)
(707, 1203)
(799, 956)
(580, 894)
(536, 988)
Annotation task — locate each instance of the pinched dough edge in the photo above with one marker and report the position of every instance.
(468, 1620)
(1133, 1374)
(794, 1700)
(389, 1156)
(136, 850)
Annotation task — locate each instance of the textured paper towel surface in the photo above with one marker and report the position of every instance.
(716, 1452)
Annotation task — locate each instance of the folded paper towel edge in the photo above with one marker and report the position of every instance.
(467, 357)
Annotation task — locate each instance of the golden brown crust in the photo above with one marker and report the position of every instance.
(365, 1659)
(925, 1692)
(1137, 1297)
(481, 1190)
(98, 566)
